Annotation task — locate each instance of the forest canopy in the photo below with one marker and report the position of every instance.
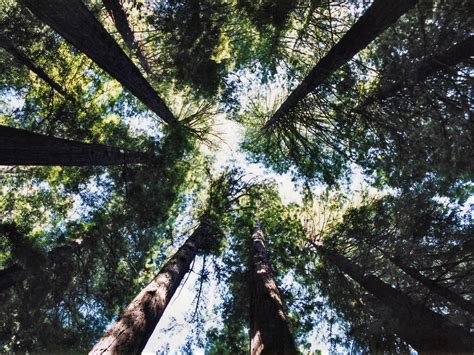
(234, 176)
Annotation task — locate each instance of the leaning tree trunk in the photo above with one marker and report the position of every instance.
(269, 328)
(425, 330)
(72, 20)
(116, 11)
(6, 44)
(434, 286)
(380, 15)
(21, 147)
(130, 333)
(459, 53)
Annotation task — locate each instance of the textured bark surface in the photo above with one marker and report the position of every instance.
(21, 147)
(378, 17)
(426, 331)
(269, 328)
(130, 333)
(72, 20)
(6, 44)
(459, 53)
(116, 11)
(434, 287)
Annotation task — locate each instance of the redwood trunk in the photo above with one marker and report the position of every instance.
(130, 333)
(115, 10)
(21, 147)
(434, 287)
(380, 15)
(425, 330)
(72, 20)
(459, 53)
(6, 44)
(269, 328)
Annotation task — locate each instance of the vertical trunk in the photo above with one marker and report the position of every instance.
(433, 286)
(119, 17)
(10, 276)
(72, 20)
(130, 333)
(425, 330)
(6, 44)
(380, 15)
(269, 328)
(21, 147)
(459, 53)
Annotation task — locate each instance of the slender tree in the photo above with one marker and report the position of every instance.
(116, 11)
(130, 333)
(379, 16)
(425, 330)
(23, 59)
(459, 53)
(72, 20)
(269, 329)
(21, 147)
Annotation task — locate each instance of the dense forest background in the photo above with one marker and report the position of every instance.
(307, 164)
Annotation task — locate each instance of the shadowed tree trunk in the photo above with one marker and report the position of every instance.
(6, 44)
(459, 53)
(21, 147)
(116, 11)
(11, 275)
(378, 17)
(425, 330)
(130, 333)
(433, 286)
(269, 328)
(72, 20)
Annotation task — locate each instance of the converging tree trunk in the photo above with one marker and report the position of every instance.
(21, 147)
(459, 53)
(433, 286)
(72, 20)
(116, 11)
(425, 330)
(378, 17)
(130, 333)
(6, 44)
(269, 328)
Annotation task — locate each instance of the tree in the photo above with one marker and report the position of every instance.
(20, 147)
(77, 25)
(269, 328)
(374, 21)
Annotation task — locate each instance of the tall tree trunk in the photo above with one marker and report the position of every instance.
(433, 286)
(116, 11)
(21, 147)
(130, 333)
(425, 330)
(6, 44)
(269, 328)
(379, 16)
(459, 53)
(11, 275)
(72, 20)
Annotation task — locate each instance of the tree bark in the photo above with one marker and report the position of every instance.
(72, 20)
(11, 276)
(380, 15)
(425, 330)
(433, 286)
(130, 333)
(459, 53)
(21, 147)
(116, 11)
(6, 44)
(269, 329)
